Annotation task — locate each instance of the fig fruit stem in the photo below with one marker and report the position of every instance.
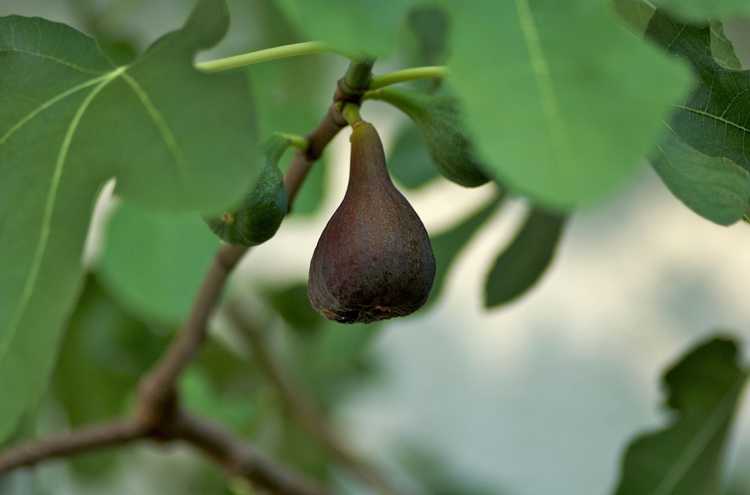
(358, 76)
(266, 55)
(351, 114)
(405, 75)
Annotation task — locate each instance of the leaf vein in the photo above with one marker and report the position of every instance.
(60, 61)
(540, 67)
(161, 124)
(49, 209)
(700, 441)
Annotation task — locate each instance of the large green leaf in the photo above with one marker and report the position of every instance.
(521, 265)
(353, 26)
(713, 120)
(154, 262)
(562, 114)
(685, 458)
(715, 188)
(69, 120)
(705, 9)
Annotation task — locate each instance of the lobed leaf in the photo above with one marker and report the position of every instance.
(562, 114)
(685, 458)
(175, 139)
(703, 158)
(714, 119)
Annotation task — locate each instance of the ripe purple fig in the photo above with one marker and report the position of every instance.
(374, 260)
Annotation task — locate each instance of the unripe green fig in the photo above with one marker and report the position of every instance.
(373, 260)
(439, 119)
(260, 214)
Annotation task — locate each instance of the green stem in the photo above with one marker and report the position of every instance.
(351, 113)
(276, 53)
(358, 75)
(399, 76)
(295, 140)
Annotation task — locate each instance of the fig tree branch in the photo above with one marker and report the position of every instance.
(158, 412)
(67, 444)
(302, 408)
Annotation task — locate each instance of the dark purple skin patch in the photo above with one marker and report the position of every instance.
(374, 259)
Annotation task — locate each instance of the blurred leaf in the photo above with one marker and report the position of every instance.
(437, 476)
(103, 354)
(566, 125)
(153, 263)
(685, 458)
(22, 482)
(636, 12)
(174, 137)
(335, 361)
(119, 48)
(715, 188)
(283, 107)
(702, 9)
(449, 244)
(521, 265)
(332, 358)
(357, 27)
(291, 303)
(713, 119)
(430, 27)
(202, 396)
(409, 161)
(722, 49)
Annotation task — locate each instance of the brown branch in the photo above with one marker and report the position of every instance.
(158, 414)
(303, 409)
(241, 459)
(68, 444)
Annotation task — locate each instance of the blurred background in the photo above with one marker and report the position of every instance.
(539, 396)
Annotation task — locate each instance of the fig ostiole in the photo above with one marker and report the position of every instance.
(262, 210)
(374, 259)
(439, 119)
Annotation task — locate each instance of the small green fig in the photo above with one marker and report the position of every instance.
(260, 214)
(439, 118)
(373, 260)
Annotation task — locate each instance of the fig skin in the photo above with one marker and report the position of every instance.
(374, 259)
